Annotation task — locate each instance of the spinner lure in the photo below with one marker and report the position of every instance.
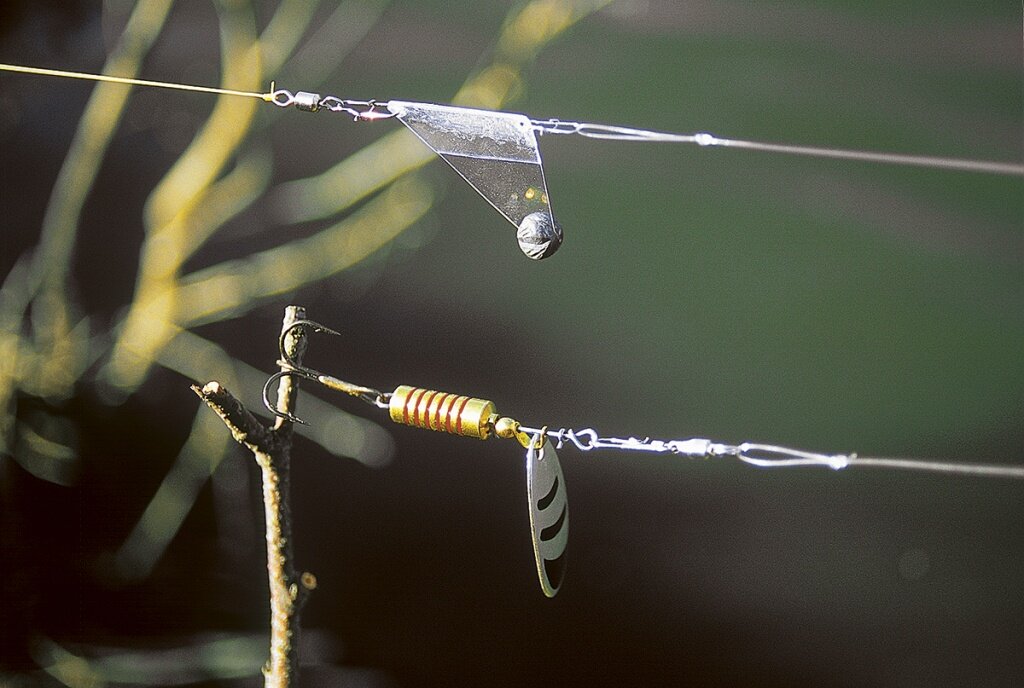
(547, 504)
(469, 417)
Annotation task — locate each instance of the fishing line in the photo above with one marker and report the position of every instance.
(497, 153)
(130, 82)
(614, 133)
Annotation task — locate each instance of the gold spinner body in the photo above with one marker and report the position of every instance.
(443, 412)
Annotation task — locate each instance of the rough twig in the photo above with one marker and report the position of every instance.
(272, 449)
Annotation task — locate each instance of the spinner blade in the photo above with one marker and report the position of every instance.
(549, 514)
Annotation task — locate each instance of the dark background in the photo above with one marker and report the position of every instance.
(827, 305)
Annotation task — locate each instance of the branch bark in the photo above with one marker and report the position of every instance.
(271, 448)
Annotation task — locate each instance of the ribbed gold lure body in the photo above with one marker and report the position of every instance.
(443, 412)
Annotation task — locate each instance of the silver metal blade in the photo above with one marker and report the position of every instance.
(549, 515)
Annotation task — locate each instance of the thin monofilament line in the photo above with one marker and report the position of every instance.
(841, 462)
(762, 455)
(941, 467)
(608, 132)
(617, 133)
(132, 82)
(869, 156)
(773, 456)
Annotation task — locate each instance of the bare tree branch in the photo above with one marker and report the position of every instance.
(272, 449)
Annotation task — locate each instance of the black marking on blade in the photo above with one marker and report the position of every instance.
(546, 500)
(552, 530)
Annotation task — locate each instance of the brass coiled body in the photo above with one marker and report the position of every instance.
(443, 412)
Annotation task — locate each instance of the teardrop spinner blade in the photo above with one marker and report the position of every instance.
(549, 514)
(497, 154)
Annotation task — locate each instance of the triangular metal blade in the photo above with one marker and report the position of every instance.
(497, 153)
(549, 514)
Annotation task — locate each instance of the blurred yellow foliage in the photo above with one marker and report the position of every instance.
(220, 174)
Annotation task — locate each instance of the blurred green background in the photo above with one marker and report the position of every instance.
(828, 305)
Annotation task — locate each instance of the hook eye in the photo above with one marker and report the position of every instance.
(312, 325)
(297, 372)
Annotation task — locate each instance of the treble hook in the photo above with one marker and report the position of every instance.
(290, 367)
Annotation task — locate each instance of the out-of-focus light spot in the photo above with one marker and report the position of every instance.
(45, 449)
(349, 436)
(913, 564)
(64, 666)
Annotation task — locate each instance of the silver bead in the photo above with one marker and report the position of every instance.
(539, 235)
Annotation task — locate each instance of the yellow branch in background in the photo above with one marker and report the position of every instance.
(182, 211)
(63, 357)
(233, 287)
(206, 296)
(361, 174)
(92, 137)
(229, 196)
(282, 34)
(537, 25)
(202, 453)
(380, 163)
(148, 325)
(230, 287)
